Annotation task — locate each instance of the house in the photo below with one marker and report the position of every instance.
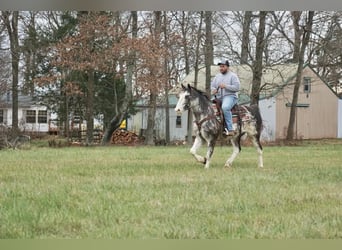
(178, 122)
(32, 117)
(319, 109)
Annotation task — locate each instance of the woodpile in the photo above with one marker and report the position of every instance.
(124, 137)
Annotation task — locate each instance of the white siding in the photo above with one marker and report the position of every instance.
(178, 133)
(32, 127)
(268, 114)
(339, 119)
(139, 121)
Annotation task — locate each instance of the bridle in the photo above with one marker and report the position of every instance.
(186, 105)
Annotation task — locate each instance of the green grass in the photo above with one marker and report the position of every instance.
(162, 193)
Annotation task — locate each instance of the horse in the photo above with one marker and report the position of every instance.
(209, 125)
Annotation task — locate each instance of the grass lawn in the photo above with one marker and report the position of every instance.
(162, 193)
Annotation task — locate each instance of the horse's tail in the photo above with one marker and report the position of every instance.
(256, 113)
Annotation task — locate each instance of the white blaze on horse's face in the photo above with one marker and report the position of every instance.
(182, 101)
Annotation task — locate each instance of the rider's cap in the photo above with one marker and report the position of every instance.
(224, 62)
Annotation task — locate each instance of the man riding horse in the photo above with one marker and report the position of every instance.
(225, 86)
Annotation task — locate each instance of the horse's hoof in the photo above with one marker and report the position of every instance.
(227, 166)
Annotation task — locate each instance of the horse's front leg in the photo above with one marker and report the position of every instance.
(197, 144)
(210, 152)
(236, 150)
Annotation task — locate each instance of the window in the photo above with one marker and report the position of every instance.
(42, 116)
(178, 121)
(30, 116)
(307, 84)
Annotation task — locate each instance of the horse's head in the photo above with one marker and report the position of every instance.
(183, 103)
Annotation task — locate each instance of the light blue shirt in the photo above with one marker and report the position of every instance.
(231, 82)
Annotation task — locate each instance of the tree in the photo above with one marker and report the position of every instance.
(307, 29)
(10, 19)
(121, 110)
(247, 20)
(94, 48)
(258, 61)
(209, 50)
(5, 66)
(327, 49)
(154, 69)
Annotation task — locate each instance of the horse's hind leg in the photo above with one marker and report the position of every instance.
(197, 144)
(257, 144)
(236, 150)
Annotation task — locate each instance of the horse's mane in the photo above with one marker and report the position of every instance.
(201, 93)
(204, 99)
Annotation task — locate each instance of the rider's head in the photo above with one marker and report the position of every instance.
(224, 65)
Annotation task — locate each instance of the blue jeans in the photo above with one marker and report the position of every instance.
(227, 104)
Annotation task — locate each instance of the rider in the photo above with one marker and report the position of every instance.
(225, 86)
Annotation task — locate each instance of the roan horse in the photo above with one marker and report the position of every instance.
(209, 126)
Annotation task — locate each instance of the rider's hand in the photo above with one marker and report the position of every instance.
(214, 91)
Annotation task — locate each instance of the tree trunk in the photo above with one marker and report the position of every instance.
(151, 117)
(257, 64)
(185, 47)
(305, 40)
(30, 54)
(298, 32)
(245, 36)
(149, 135)
(12, 29)
(167, 105)
(196, 69)
(90, 107)
(120, 115)
(209, 50)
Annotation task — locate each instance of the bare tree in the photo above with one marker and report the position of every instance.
(307, 29)
(245, 37)
(149, 135)
(10, 19)
(258, 61)
(121, 112)
(167, 85)
(296, 16)
(197, 56)
(5, 67)
(326, 51)
(209, 50)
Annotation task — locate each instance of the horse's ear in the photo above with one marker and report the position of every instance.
(189, 87)
(183, 87)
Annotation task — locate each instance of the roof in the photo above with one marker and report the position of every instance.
(143, 102)
(23, 100)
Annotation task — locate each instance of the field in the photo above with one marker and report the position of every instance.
(162, 193)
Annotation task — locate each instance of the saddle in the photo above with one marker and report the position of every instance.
(238, 111)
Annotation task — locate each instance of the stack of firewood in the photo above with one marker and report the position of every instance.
(124, 137)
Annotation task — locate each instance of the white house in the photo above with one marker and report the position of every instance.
(32, 117)
(178, 122)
